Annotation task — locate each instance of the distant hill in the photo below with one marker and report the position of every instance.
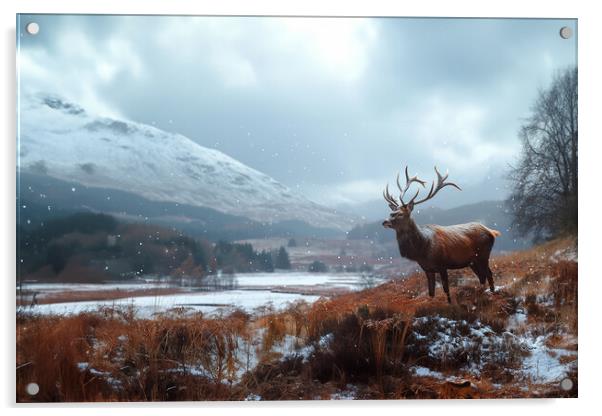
(491, 213)
(60, 140)
(41, 197)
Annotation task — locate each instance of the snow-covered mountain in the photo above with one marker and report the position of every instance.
(62, 140)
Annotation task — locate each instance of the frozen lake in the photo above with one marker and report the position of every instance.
(248, 292)
(349, 281)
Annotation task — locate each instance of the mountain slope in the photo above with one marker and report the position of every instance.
(41, 198)
(61, 140)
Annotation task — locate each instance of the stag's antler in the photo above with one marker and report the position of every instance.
(393, 204)
(435, 188)
(409, 181)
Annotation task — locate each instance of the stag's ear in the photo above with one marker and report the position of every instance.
(410, 206)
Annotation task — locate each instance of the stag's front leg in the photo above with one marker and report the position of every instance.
(431, 282)
(445, 284)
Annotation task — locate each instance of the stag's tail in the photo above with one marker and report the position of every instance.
(494, 233)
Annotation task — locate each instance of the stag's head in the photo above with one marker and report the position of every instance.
(400, 210)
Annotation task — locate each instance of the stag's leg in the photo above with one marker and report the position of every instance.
(489, 275)
(482, 277)
(445, 284)
(485, 264)
(484, 272)
(431, 281)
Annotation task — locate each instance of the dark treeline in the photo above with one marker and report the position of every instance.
(96, 247)
(241, 257)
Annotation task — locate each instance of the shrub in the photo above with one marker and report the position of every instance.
(318, 267)
(360, 346)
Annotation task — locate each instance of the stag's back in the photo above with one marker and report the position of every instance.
(458, 245)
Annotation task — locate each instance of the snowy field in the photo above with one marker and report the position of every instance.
(249, 292)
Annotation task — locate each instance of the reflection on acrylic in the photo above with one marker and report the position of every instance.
(200, 210)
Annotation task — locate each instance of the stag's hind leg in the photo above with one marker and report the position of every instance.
(482, 277)
(445, 284)
(484, 273)
(489, 275)
(484, 263)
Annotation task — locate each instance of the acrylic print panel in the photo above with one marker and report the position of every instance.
(209, 208)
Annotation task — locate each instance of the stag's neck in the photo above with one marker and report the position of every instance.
(412, 241)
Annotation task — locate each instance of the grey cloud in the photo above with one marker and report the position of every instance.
(250, 87)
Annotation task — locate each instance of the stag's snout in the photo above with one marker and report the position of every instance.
(387, 224)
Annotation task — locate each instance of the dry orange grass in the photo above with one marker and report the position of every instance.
(90, 357)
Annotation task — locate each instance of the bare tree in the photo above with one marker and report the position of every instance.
(544, 200)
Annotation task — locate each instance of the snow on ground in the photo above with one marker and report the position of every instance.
(84, 366)
(543, 365)
(440, 336)
(290, 346)
(427, 372)
(350, 393)
(567, 254)
(516, 320)
(443, 337)
(252, 398)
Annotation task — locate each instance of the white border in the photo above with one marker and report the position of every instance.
(589, 118)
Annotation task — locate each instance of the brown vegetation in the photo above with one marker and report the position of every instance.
(366, 344)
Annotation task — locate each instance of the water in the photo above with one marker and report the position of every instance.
(244, 291)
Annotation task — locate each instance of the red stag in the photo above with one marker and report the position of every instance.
(438, 248)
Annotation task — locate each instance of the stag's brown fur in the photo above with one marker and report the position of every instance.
(439, 248)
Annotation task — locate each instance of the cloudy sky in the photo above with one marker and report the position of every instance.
(333, 107)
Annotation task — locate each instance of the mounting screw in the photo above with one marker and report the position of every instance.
(32, 389)
(566, 384)
(32, 28)
(566, 32)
